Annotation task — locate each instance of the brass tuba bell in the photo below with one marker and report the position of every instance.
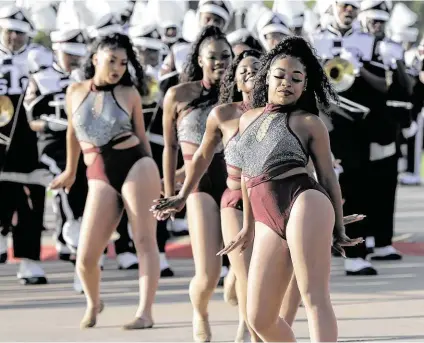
(6, 110)
(341, 73)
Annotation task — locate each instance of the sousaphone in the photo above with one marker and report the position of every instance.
(6, 110)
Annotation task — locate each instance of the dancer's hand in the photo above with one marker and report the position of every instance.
(340, 239)
(64, 180)
(353, 218)
(243, 239)
(167, 207)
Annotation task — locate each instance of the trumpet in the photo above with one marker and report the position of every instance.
(341, 74)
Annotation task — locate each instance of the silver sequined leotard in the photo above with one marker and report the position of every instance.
(100, 130)
(191, 127)
(269, 142)
(232, 155)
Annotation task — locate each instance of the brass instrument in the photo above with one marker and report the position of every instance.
(341, 74)
(6, 110)
(153, 96)
(54, 120)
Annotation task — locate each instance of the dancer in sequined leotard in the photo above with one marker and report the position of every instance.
(289, 214)
(222, 129)
(106, 123)
(186, 110)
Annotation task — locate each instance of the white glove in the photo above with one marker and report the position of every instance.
(390, 53)
(56, 126)
(410, 131)
(352, 58)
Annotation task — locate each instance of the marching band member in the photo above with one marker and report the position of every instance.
(390, 112)
(151, 51)
(343, 38)
(186, 109)
(291, 218)
(414, 58)
(104, 25)
(242, 40)
(106, 121)
(294, 12)
(222, 128)
(209, 12)
(271, 29)
(18, 155)
(45, 105)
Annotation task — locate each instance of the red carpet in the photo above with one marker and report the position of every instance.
(175, 250)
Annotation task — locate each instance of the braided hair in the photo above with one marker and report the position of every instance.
(228, 92)
(192, 70)
(133, 76)
(318, 88)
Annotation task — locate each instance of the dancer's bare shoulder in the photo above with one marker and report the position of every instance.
(249, 117)
(308, 124)
(225, 112)
(183, 92)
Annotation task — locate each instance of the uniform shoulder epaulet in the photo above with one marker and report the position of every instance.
(38, 58)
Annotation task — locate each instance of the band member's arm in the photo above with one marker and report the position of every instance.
(379, 83)
(138, 121)
(73, 149)
(168, 65)
(319, 145)
(30, 101)
(170, 151)
(404, 80)
(203, 155)
(168, 76)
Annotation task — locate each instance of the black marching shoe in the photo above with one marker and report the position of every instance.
(127, 261)
(167, 272)
(388, 253)
(359, 267)
(30, 273)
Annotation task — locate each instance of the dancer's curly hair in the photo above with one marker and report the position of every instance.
(318, 88)
(192, 70)
(228, 92)
(133, 76)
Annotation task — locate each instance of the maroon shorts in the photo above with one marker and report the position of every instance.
(272, 199)
(233, 199)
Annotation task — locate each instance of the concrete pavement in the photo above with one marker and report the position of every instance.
(387, 307)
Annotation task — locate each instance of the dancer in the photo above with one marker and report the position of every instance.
(222, 128)
(186, 109)
(275, 143)
(106, 122)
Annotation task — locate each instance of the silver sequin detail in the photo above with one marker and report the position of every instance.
(232, 155)
(276, 146)
(192, 127)
(99, 130)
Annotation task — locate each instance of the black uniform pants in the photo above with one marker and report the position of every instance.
(381, 199)
(67, 207)
(28, 203)
(354, 191)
